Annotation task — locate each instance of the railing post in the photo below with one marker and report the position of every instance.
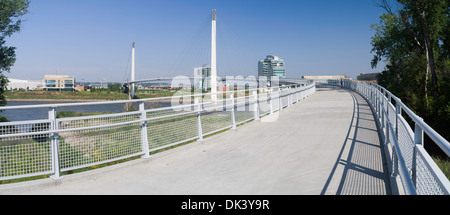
(398, 112)
(373, 96)
(144, 137)
(363, 89)
(367, 91)
(418, 140)
(199, 121)
(289, 96)
(382, 113)
(301, 92)
(294, 91)
(395, 157)
(269, 96)
(280, 103)
(256, 105)
(307, 92)
(54, 142)
(233, 119)
(380, 102)
(386, 139)
(394, 163)
(376, 102)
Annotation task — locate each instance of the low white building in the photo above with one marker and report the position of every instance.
(24, 84)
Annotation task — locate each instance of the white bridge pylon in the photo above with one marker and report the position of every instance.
(213, 58)
(213, 77)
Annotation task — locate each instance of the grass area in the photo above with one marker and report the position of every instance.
(86, 95)
(444, 165)
(66, 95)
(153, 93)
(64, 114)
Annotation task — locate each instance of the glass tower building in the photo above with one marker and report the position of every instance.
(272, 66)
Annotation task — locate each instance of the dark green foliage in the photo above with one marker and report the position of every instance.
(4, 119)
(115, 87)
(414, 43)
(7, 129)
(11, 12)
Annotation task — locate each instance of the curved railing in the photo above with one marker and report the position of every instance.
(408, 159)
(52, 145)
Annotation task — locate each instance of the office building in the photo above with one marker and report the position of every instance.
(272, 66)
(59, 83)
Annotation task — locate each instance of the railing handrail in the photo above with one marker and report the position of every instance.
(434, 135)
(113, 115)
(70, 104)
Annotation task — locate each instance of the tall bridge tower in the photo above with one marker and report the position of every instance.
(213, 58)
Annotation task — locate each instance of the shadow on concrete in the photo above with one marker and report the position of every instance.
(365, 170)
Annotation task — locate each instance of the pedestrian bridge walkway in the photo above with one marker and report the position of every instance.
(327, 144)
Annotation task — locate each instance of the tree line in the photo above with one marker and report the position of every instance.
(413, 39)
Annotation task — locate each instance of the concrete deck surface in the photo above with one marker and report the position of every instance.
(327, 144)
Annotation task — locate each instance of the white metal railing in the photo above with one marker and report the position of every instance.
(52, 145)
(408, 159)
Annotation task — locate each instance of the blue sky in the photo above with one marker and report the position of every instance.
(91, 39)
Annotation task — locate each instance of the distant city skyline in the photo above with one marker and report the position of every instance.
(91, 40)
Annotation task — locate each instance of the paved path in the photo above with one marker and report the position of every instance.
(326, 144)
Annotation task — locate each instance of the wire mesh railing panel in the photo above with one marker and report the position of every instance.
(243, 116)
(263, 103)
(405, 142)
(284, 98)
(99, 145)
(24, 127)
(90, 121)
(162, 113)
(391, 115)
(426, 183)
(164, 131)
(245, 109)
(396, 162)
(215, 120)
(276, 101)
(25, 155)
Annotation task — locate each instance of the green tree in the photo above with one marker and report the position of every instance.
(11, 13)
(115, 87)
(413, 40)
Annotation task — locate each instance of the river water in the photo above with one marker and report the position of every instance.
(42, 113)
